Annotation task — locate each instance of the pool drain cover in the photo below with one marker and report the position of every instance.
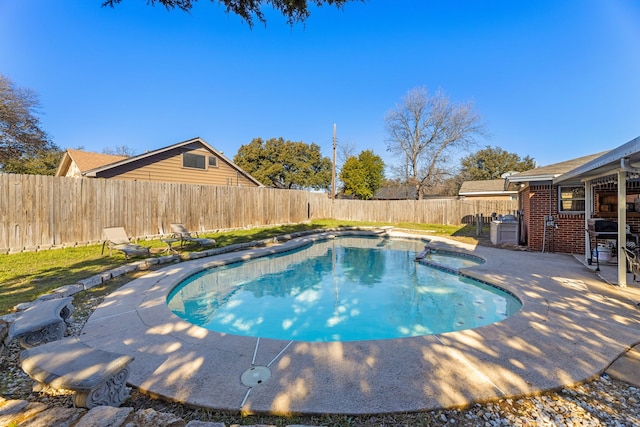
(255, 375)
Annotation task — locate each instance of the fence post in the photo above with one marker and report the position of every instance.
(480, 224)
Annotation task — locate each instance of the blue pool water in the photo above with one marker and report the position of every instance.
(344, 289)
(450, 260)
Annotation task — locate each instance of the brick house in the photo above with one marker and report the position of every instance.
(558, 201)
(552, 215)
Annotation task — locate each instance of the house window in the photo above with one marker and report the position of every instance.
(194, 161)
(571, 199)
(213, 162)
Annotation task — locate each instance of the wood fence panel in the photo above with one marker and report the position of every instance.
(41, 207)
(206, 204)
(62, 216)
(271, 203)
(271, 212)
(6, 213)
(162, 202)
(29, 201)
(15, 206)
(194, 208)
(68, 229)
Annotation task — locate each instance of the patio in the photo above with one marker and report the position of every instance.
(572, 326)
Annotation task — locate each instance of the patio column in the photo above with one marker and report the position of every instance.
(588, 212)
(622, 227)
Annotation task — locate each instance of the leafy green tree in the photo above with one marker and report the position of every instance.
(293, 10)
(285, 164)
(492, 163)
(425, 131)
(362, 176)
(42, 162)
(22, 140)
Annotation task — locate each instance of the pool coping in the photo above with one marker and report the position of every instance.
(571, 327)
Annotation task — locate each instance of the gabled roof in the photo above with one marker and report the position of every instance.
(548, 173)
(126, 160)
(85, 160)
(487, 187)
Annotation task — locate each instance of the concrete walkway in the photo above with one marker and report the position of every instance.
(627, 366)
(571, 327)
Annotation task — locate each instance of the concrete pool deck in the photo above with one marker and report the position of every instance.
(572, 326)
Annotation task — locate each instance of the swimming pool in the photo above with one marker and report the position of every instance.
(344, 289)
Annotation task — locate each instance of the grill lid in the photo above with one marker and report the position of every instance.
(602, 225)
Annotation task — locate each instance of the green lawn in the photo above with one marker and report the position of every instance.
(25, 276)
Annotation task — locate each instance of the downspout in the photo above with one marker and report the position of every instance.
(549, 218)
(544, 232)
(544, 229)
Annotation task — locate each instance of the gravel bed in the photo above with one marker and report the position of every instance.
(604, 401)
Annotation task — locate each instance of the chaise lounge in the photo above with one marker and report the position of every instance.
(633, 263)
(181, 232)
(116, 238)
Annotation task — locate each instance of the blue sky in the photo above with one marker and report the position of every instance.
(553, 79)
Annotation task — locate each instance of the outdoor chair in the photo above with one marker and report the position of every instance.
(116, 238)
(181, 232)
(633, 263)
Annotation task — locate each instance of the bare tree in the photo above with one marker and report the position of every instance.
(344, 151)
(119, 150)
(21, 136)
(425, 131)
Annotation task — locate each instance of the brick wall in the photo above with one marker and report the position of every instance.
(539, 204)
(538, 201)
(568, 234)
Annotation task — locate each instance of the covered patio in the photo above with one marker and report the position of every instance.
(620, 165)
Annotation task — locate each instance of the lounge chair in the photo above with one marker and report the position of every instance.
(181, 232)
(633, 263)
(116, 238)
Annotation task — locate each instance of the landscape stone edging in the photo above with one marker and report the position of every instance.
(36, 413)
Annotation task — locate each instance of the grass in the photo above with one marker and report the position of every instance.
(25, 276)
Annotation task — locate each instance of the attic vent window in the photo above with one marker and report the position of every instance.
(194, 161)
(213, 161)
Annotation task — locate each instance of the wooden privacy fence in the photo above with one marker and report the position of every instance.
(451, 211)
(43, 211)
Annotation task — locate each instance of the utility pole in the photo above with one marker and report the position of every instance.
(333, 169)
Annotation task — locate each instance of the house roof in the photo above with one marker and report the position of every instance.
(396, 192)
(484, 187)
(126, 160)
(85, 160)
(549, 172)
(625, 157)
